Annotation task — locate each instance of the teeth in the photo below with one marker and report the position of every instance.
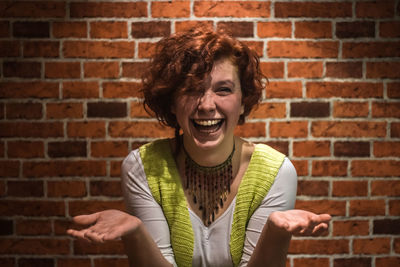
(207, 122)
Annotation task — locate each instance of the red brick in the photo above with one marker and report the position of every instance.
(41, 49)
(348, 129)
(305, 69)
(386, 149)
(7, 262)
(65, 29)
(310, 262)
(33, 227)
(289, 129)
(25, 189)
(31, 29)
(386, 109)
(312, 188)
(62, 70)
(274, 29)
(255, 46)
(231, 9)
(108, 29)
(37, 208)
(302, 49)
(2, 149)
(375, 245)
(313, 10)
(37, 9)
(311, 148)
(375, 168)
(344, 89)
(106, 188)
(80, 90)
(64, 168)
(79, 262)
(138, 129)
(151, 29)
(393, 90)
(105, 262)
(106, 110)
(332, 207)
(103, 69)
(358, 261)
(387, 261)
(146, 50)
(273, 69)
(350, 228)
(138, 111)
(121, 89)
(268, 110)
(301, 167)
(181, 26)
(98, 49)
(251, 129)
(9, 48)
(367, 207)
(24, 110)
(350, 109)
(111, 248)
(43, 262)
(115, 168)
(93, 129)
(383, 70)
(133, 69)
(313, 29)
(309, 109)
(109, 149)
(108, 9)
(351, 149)
(64, 110)
(344, 69)
(4, 29)
(349, 188)
(237, 28)
(385, 188)
(25, 149)
(370, 49)
(31, 129)
(79, 207)
(381, 9)
(22, 69)
(395, 129)
(281, 146)
(63, 189)
(329, 168)
(9, 168)
(284, 90)
(396, 245)
(319, 246)
(171, 9)
(389, 29)
(35, 246)
(61, 149)
(29, 90)
(386, 226)
(355, 29)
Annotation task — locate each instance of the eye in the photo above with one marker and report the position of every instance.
(224, 90)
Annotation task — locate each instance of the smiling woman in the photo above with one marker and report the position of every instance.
(205, 197)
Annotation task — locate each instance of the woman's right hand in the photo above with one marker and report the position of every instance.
(105, 226)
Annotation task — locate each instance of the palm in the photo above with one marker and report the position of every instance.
(299, 222)
(105, 226)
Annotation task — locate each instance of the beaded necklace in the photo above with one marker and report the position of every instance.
(208, 186)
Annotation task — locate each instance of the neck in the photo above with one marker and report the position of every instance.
(212, 156)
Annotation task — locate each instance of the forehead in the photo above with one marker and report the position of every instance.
(224, 69)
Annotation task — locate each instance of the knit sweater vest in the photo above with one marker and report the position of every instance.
(165, 185)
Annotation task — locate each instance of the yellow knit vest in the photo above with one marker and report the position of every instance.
(165, 185)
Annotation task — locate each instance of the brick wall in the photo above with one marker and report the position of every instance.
(70, 112)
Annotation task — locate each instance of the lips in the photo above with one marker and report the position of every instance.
(207, 126)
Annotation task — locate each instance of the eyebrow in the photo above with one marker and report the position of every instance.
(230, 82)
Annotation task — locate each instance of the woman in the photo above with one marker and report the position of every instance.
(205, 197)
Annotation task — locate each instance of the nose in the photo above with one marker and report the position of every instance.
(207, 102)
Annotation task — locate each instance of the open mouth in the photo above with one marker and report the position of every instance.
(208, 126)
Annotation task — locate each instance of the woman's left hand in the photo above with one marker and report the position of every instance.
(299, 222)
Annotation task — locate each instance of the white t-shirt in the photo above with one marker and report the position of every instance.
(211, 247)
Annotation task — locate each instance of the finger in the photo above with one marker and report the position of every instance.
(94, 236)
(78, 234)
(86, 219)
(320, 229)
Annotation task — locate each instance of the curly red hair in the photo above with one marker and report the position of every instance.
(182, 61)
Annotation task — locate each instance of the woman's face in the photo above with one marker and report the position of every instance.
(208, 117)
